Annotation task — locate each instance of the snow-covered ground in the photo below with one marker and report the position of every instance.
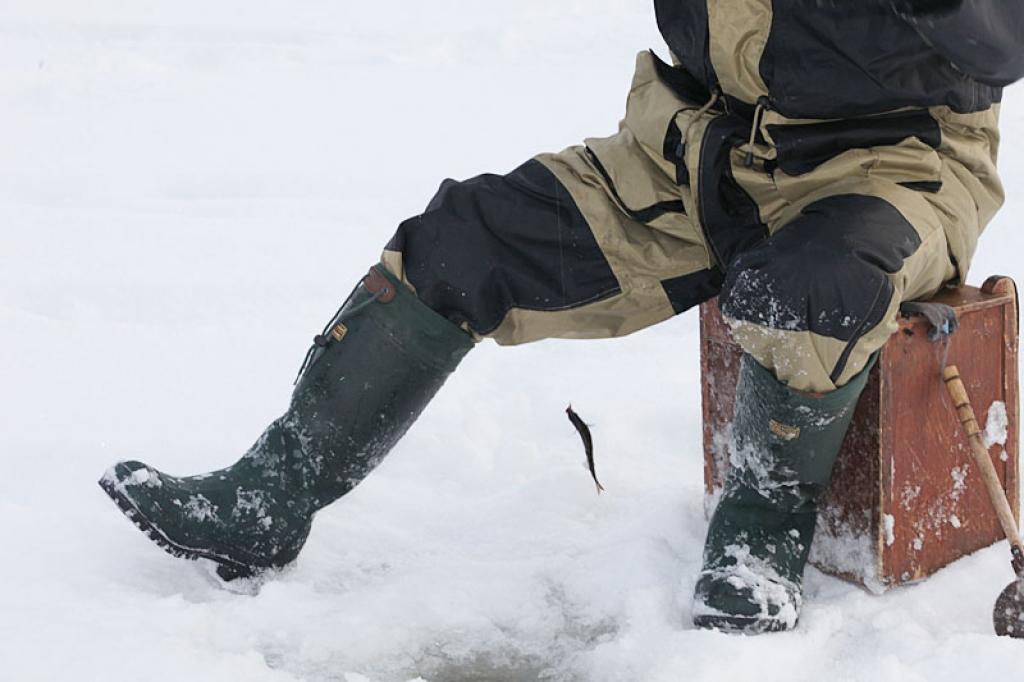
(187, 189)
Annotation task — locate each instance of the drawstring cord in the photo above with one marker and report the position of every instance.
(762, 106)
(322, 340)
(715, 95)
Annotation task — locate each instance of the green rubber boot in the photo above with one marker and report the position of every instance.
(365, 380)
(781, 455)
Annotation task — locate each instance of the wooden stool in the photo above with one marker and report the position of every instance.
(905, 499)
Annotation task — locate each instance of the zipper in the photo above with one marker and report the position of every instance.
(698, 196)
(764, 104)
(862, 330)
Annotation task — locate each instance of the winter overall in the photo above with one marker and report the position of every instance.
(812, 200)
(812, 165)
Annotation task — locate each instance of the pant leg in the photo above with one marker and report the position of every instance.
(863, 214)
(819, 296)
(595, 241)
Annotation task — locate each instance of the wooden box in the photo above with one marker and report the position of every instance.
(905, 499)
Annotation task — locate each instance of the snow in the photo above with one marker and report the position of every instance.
(959, 476)
(996, 425)
(140, 476)
(846, 548)
(769, 590)
(889, 523)
(187, 190)
(200, 508)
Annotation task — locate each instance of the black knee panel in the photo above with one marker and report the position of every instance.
(493, 243)
(826, 272)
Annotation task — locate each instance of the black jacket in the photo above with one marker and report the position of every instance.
(842, 58)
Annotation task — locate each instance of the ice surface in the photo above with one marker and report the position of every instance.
(187, 191)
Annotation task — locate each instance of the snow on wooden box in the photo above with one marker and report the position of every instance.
(905, 499)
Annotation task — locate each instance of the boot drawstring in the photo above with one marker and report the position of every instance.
(323, 339)
(763, 105)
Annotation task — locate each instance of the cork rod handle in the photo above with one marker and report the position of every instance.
(958, 392)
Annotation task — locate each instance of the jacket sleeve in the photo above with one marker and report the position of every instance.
(982, 38)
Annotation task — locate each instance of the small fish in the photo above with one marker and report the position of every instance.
(588, 443)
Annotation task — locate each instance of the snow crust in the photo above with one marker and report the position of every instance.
(187, 192)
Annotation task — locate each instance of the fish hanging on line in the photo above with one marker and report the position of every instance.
(588, 443)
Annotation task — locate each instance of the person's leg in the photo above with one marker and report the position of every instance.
(593, 242)
(367, 377)
(811, 305)
(556, 248)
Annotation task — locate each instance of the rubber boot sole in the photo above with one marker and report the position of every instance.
(739, 624)
(227, 568)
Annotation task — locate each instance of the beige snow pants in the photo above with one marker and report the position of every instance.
(811, 236)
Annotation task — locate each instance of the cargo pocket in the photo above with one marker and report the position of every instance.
(900, 148)
(912, 164)
(643, 164)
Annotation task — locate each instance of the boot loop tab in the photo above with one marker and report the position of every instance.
(377, 283)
